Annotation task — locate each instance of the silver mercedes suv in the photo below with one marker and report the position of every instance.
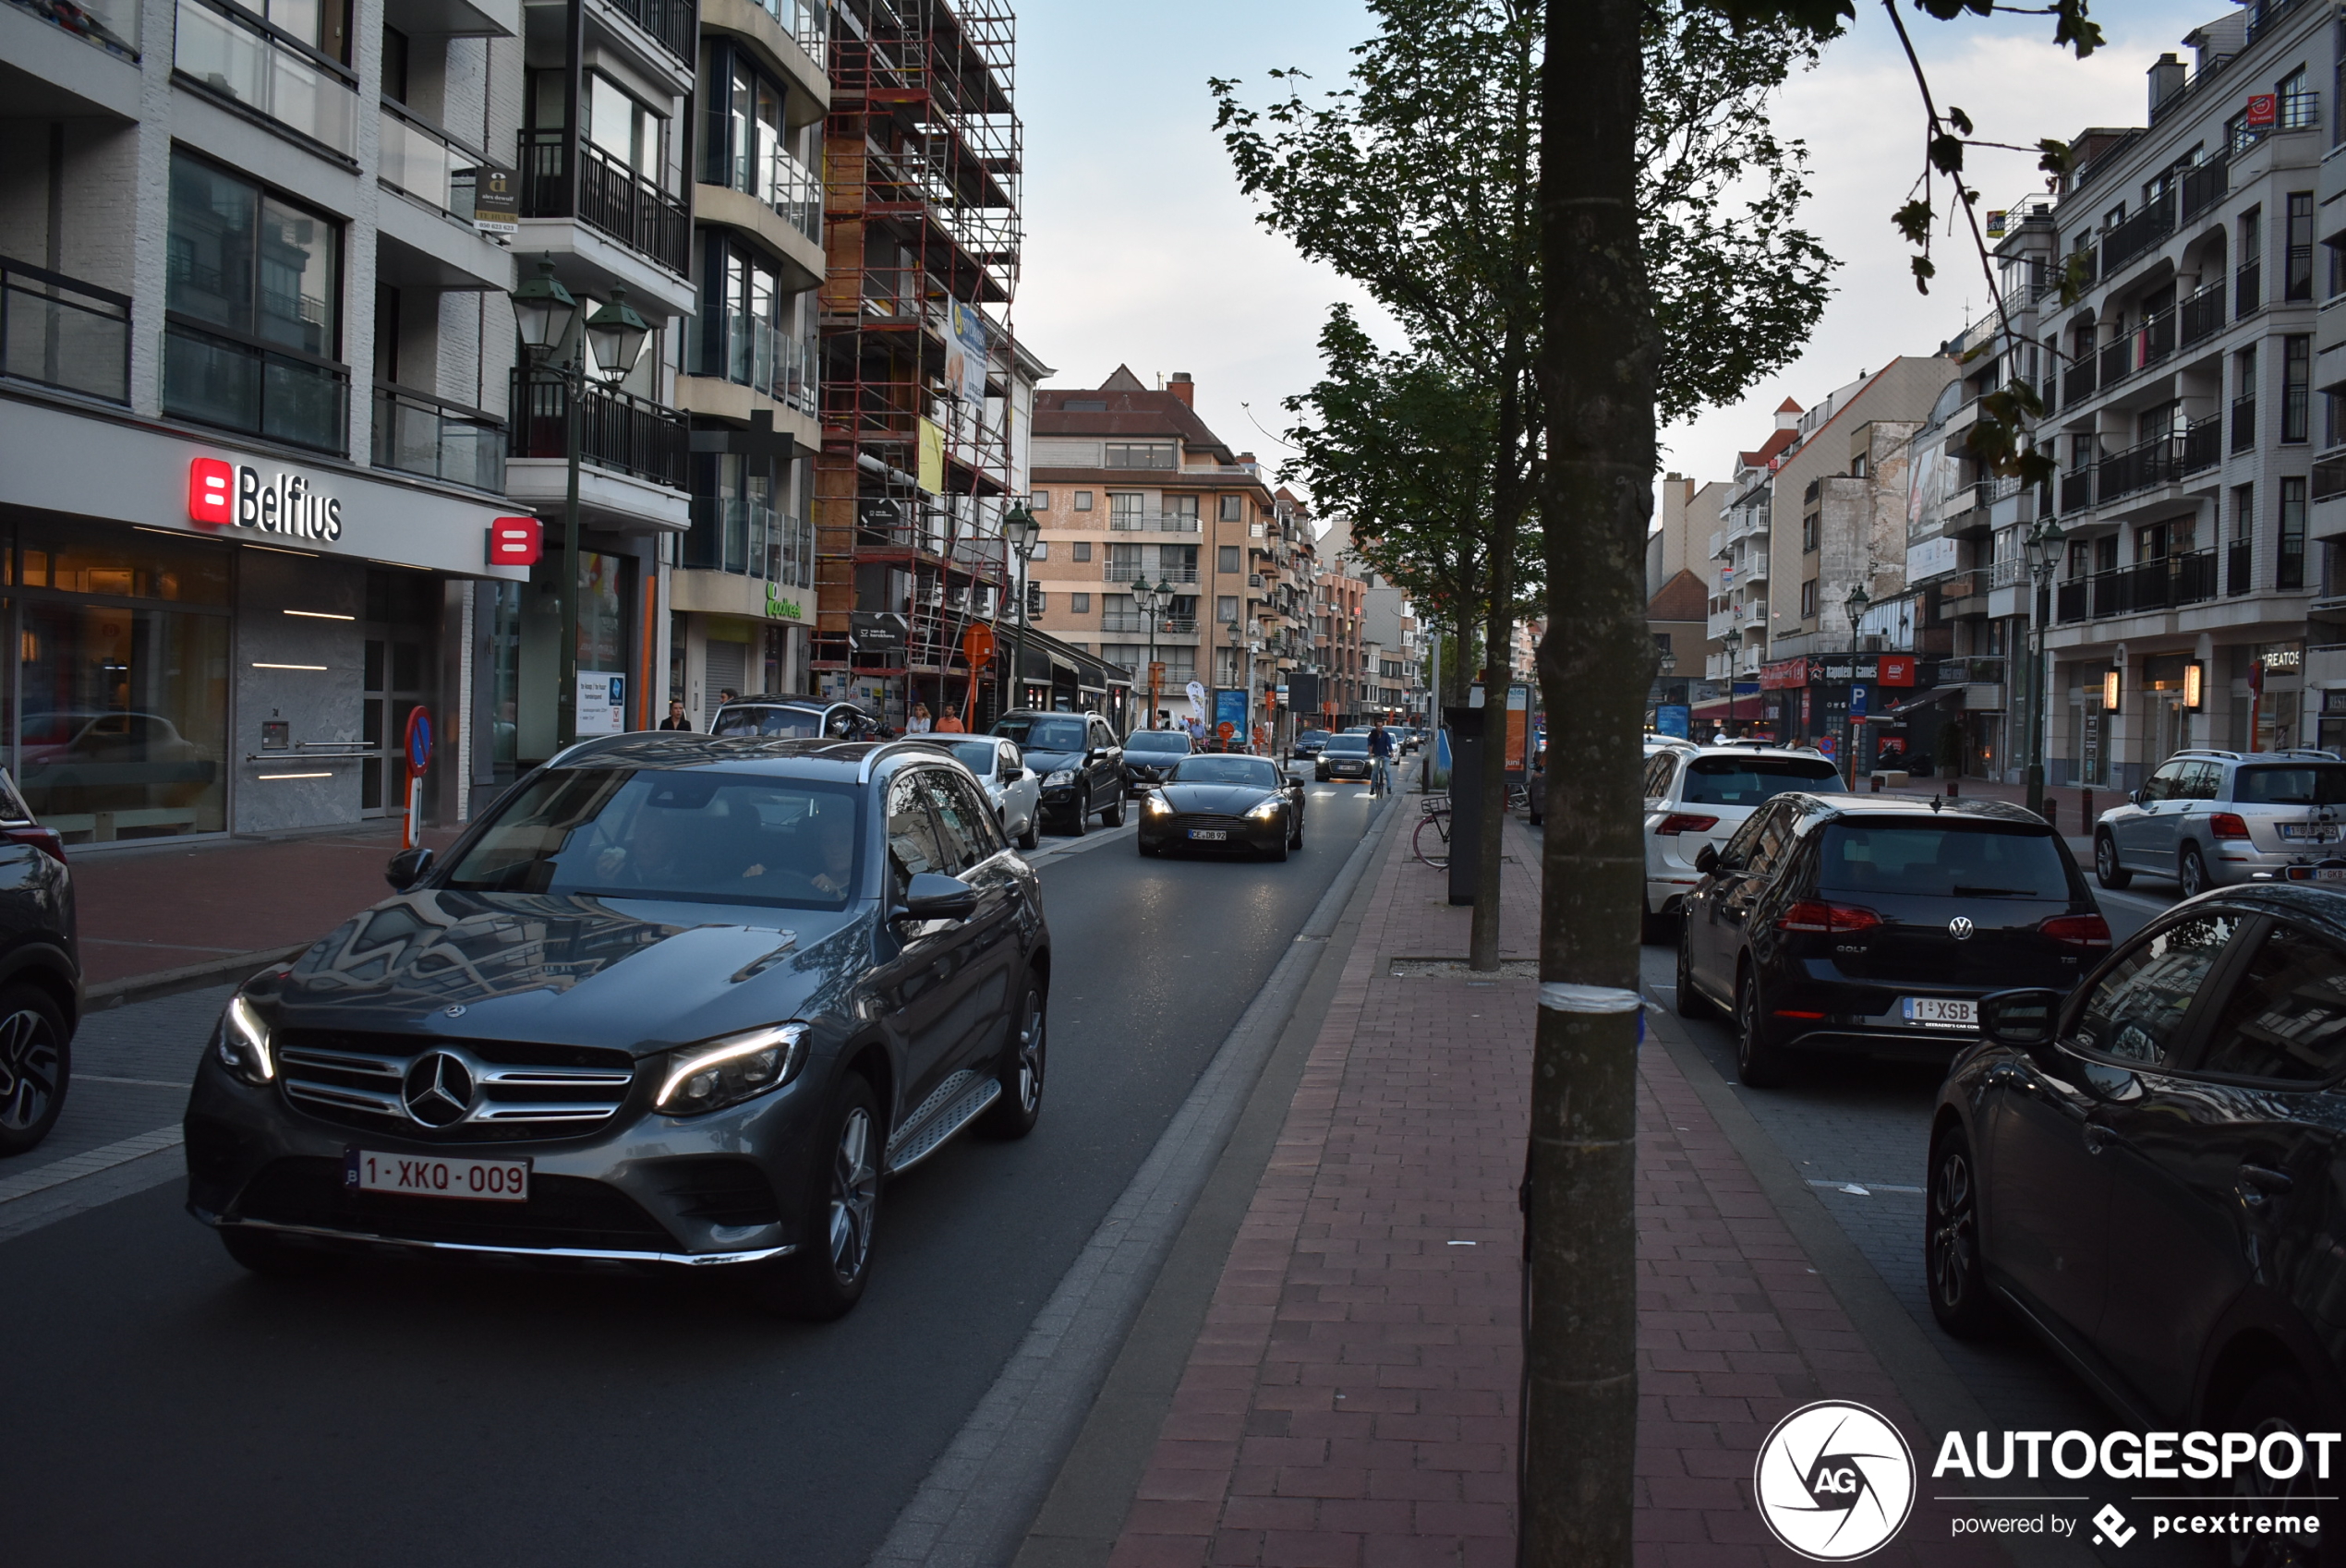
(2213, 818)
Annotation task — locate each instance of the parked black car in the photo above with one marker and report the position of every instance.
(1223, 804)
(677, 1000)
(1082, 764)
(786, 718)
(40, 975)
(2147, 1170)
(1874, 923)
(1149, 757)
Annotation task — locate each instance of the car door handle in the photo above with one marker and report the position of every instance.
(2259, 1182)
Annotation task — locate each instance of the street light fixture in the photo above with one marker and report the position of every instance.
(1151, 600)
(1855, 605)
(1021, 529)
(1734, 641)
(2042, 547)
(614, 336)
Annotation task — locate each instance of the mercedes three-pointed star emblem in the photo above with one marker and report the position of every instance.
(1959, 928)
(437, 1090)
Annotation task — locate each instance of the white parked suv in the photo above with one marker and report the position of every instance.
(2213, 819)
(1698, 795)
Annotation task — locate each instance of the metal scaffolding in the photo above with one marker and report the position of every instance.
(920, 224)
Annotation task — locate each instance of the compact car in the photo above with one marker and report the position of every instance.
(2214, 819)
(1149, 756)
(796, 718)
(1082, 764)
(1872, 925)
(1345, 756)
(2145, 1170)
(1695, 797)
(677, 1001)
(1012, 786)
(1223, 804)
(40, 974)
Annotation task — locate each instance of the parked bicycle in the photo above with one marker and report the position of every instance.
(1435, 820)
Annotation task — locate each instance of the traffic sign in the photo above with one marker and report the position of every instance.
(419, 740)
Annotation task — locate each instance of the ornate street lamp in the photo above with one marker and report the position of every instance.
(613, 339)
(1021, 529)
(1151, 600)
(1855, 605)
(2042, 549)
(1734, 641)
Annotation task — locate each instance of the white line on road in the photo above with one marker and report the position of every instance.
(1860, 1188)
(73, 1167)
(134, 1082)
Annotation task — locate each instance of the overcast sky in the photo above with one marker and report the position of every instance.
(1140, 249)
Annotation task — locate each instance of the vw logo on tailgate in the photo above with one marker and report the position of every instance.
(437, 1090)
(1959, 928)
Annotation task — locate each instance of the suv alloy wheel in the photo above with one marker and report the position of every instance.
(2107, 871)
(824, 1277)
(2191, 870)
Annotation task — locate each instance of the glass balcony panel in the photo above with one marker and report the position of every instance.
(63, 335)
(267, 75)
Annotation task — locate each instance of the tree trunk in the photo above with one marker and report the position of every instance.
(1595, 661)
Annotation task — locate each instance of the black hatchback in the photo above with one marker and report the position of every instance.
(1872, 925)
(2149, 1171)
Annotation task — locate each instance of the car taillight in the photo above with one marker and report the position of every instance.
(2080, 931)
(44, 839)
(1685, 822)
(1813, 914)
(2227, 825)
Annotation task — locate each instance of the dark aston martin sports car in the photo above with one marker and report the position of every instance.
(1223, 803)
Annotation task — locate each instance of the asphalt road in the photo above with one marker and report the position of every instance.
(165, 1408)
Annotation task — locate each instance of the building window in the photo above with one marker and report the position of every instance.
(1079, 604)
(1858, 464)
(2296, 386)
(1038, 601)
(2300, 284)
(1809, 599)
(1226, 608)
(624, 127)
(1042, 501)
(1808, 530)
(1083, 500)
(1138, 455)
(2288, 569)
(1233, 509)
(1082, 549)
(1226, 558)
(253, 338)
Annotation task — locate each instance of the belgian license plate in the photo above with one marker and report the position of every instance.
(494, 1181)
(2309, 833)
(1210, 834)
(2330, 873)
(1940, 1012)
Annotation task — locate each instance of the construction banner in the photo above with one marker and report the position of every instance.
(931, 474)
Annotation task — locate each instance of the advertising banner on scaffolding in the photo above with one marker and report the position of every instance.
(966, 354)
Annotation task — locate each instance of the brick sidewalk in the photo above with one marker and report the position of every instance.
(1351, 1402)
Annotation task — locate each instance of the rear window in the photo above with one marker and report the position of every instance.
(1157, 741)
(2306, 784)
(1746, 781)
(790, 723)
(1044, 734)
(1957, 859)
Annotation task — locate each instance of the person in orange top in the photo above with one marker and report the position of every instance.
(950, 724)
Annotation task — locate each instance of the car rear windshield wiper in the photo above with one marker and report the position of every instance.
(1992, 892)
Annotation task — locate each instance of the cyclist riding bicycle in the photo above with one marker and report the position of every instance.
(1380, 751)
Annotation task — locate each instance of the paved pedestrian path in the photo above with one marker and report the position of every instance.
(1353, 1401)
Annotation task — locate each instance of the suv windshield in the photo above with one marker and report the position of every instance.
(1746, 781)
(1349, 743)
(1051, 735)
(1157, 741)
(1950, 860)
(1225, 770)
(709, 836)
(2306, 784)
(792, 723)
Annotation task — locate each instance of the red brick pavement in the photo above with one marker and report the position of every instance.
(1351, 1402)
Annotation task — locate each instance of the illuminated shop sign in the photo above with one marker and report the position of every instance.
(238, 495)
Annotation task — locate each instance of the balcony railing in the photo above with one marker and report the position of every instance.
(2209, 183)
(2301, 111)
(2076, 491)
(1115, 571)
(2202, 314)
(2203, 444)
(2165, 584)
(744, 534)
(416, 433)
(2236, 559)
(616, 430)
(808, 21)
(1153, 522)
(240, 58)
(2077, 381)
(2329, 477)
(62, 333)
(670, 22)
(2117, 360)
(2244, 424)
(1133, 621)
(427, 164)
(2138, 233)
(612, 196)
(2069, 600)
(753, 354)
(2248, 289)
(263, 392)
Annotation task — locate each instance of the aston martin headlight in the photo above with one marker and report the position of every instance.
(242, 1043)
(1064, 776)
(1267, 810)
(718, 1073)
(1157, 805)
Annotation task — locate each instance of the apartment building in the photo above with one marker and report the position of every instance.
(2191, 608)
(1130, 485)
(1392, 651)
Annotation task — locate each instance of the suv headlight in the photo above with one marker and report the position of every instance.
(718, 1073)
(242, 1043)
(1064, 776)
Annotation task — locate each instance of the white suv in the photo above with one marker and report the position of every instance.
(1698, 795)
(2211, 819)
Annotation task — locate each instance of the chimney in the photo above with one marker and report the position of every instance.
(1180, 386)
(2166, 81)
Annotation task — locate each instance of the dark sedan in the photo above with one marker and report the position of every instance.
(677, 1001)
(1874, 923)
(1149, 755)
(2147, 1172)
(1223, 804)
(1345, 756)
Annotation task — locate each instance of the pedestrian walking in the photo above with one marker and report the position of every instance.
(675, 719)
(920, 724)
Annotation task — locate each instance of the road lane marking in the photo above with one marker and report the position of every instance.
(73, 1167)
(1860, 1188)
(134, 1082)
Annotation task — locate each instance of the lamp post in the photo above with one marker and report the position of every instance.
(1021, 529)
(2043, 550)
(1150, 601)
(613, 339)
(1855, 605)
(1734, 640)
(1668, 662)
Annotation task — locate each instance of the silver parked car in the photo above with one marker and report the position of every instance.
(2213, 819)
(1012, 788)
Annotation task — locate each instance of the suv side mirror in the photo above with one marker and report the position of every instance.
(2022, 1020)
(407, 868)
(1706, 859)
(932, 897)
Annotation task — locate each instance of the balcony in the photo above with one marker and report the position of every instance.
(2137, 235)
(416, 433)
(2248, 289)
(613, 197)
(616, 430)
(2212, 182)
(2329, 477)
(1153, 522)
(1129, 571)
(242, 59)
(57, 332)
(2077, 382)
(2202, 314)
(784, 183)
(2203, 444)
(2150, 465)
(744, 534)
(748, 352)
(427, 164)
(1133, 621)
(808, 21)
(265, 392)
(671, 23)
(2076, 491)
(2169, 583)
(2236, 559)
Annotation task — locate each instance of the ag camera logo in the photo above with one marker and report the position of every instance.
(1835, 1481)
